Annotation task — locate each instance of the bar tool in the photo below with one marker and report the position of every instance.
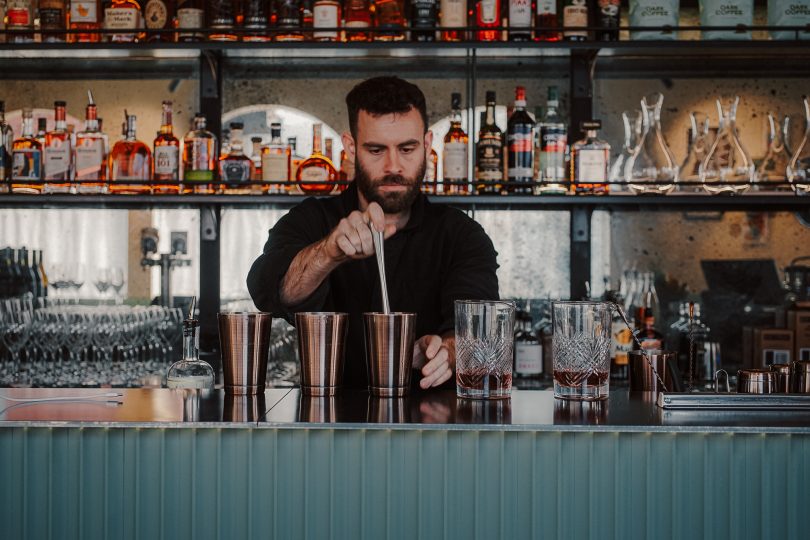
(378, 250)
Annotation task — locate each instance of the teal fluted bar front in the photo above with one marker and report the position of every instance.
(131, 483)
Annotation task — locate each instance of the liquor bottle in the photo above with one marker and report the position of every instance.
(307, 18)
(6, 141)
(520, 20)
(326, 16)
(20, 20)
(621, 343)
(489, 152)
(590, 159)
(316, 168)
(453, 14)
(256, 157)
(276, 161)
(225, 147)
(647, 334)
(58, 153)
(454, 159)
(28, 275)
(553, 142)
(429, 182)
(389, 20)
(546, 22)
(520, 140)
(608, 20)
(295, 160)
(130, 162)
(346, 173)
(167, 155)
(528, 352)
(357, 15)
(221, 16)
(289, 20)
(85, 15)
(575, 16)
(423, 20)
(43, 277)
(90, 153)
(122, 15)
(190, 15)
(34, 268)
(159, 15)
(327, 149)
(190, 373)
(256, 20)
(26, 158)
(487, 17)
(236, 168)
(539, 113)
(199, 158)
(42, 130)
(52, 20)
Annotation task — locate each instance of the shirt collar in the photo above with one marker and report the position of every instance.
(351, 202)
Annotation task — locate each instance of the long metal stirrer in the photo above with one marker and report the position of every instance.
(378, 250)
(638, 342)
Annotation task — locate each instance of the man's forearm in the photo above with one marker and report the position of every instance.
(306, 273)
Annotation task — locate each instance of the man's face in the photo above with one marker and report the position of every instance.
(390, 161)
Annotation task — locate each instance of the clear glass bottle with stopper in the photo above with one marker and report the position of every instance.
(190, 373)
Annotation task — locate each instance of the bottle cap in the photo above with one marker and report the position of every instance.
(237, 125)
(490, 96)
(520, 96)
(59, 104)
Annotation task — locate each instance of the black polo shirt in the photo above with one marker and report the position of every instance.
(440, 256)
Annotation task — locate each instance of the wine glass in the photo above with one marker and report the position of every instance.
(117, 282)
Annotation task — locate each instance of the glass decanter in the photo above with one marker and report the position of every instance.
(651, 168)
(632, 132)
(190, 373)
(798, 170)
(774, 166)
(728, 167)
(700, 141)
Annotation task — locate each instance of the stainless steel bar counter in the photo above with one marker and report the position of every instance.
(430, 465)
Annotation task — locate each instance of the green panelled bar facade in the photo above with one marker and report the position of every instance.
(371, 482)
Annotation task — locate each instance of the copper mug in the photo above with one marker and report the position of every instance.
(321, 347)
(245, 342)
(389, 352)
(756, 381)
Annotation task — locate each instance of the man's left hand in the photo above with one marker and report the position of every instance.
(436, 358)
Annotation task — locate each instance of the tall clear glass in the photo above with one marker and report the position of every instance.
(774, 166)
(581, 345)
(728, 168)
(651, 168)
(798, 170)
(632, 121)
(484, 341)
(700, 141)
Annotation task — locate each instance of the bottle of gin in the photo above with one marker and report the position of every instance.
(190, 373)
(276, 161)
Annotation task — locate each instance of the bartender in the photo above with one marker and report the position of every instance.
(319, 256)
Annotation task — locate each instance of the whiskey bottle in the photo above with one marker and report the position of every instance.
(429, 183)
(289, 20)
(256, 21)
(276, 161)
(236, 168)
(122, 15)
(256, 157)
(489, 152)
(346, 173)
(295, 162)
(453, 15)
(20, 17)
(167, 155)
(52, 20)
(6, 141)
(199, 158)
(575, 16)
(317, 174)
(423, 20)
(520, 20)
(326, 20)
(520, 138)
(648, 336)
(608, 20)
(130, 162)
(389, 20)
(546, 22)
(158, 16)
(57, 153)
(528, 353)
(358, 16)
(553, 142)
(90, 153)
(26, 158)
(487, 18)
(190, 15)
(590, 160)
(221, 16)
(85, 15)
(454, 160)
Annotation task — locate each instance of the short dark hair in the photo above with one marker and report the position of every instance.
(384, 95)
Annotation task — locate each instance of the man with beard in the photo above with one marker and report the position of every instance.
(319, 257)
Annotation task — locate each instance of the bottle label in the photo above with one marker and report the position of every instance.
(521, 157)
(455, 161)
(490, 157)
(190, 18)
(488, 12)
(621, 344)
(156, 14)
(552, 156)
(574, 16)
(649, 344)
(57, 160)
(546, 7)
(166, 160)
(609, 8)
(314, 174)
(18, 13)
(89, 159)
(528, 358)
(51, 17)
(591, 167)
(274, 167)
(520, 13)
(26, 164)
(788, 13)
(198, 158)
(423, 13)
(454, 13)
(325, 16)
(236, 171)
(121, 19)
(83, 11)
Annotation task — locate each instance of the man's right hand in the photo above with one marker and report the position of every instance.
(352, 239)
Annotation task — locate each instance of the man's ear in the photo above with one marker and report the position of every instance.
(348, 144)
(428, 140)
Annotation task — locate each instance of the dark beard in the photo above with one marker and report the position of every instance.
(391, 203)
